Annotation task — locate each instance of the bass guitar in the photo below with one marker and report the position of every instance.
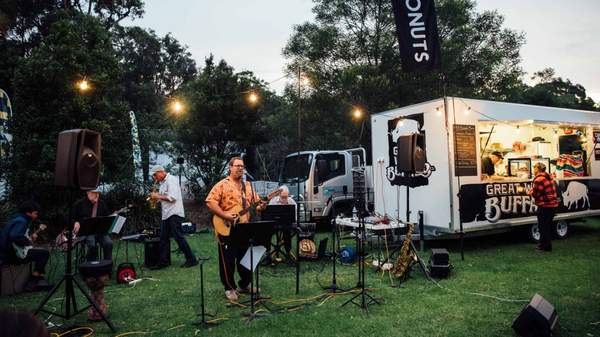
(223, 226)
(21, 251)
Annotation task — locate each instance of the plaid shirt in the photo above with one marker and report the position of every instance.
(544, 191)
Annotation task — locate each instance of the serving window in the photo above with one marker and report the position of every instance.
(512, 148)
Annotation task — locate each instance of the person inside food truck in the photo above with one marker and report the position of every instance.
(488, 170)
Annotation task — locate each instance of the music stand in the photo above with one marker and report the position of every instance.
(256, 233)
(89, 226)
(284, 218)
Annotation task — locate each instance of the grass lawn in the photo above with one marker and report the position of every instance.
(505, 266)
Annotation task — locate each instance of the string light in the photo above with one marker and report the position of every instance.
(518, 129)
(555, 133)
(468, 110)
(400, 123)
(357, 113)
(438, 111)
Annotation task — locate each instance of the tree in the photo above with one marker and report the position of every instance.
(218, 124)
(554, 91)
(47, 102)
(153, 68)
(351, 55)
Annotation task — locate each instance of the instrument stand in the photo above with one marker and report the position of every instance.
(203, 322)
(333, 287)
(363, 297)
(69, 279)
(255, 297)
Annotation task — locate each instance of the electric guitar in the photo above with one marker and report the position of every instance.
(223, 226)
(21, 251)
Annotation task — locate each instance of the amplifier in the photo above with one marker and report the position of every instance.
(152, 252)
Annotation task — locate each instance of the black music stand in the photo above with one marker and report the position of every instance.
(256, 233)
(203, 322)
(89, 226)
(284, 220)
(364, 297)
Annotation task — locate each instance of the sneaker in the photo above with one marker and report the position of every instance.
(189, 264)
(231, 295)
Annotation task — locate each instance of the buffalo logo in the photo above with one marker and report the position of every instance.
(575, 192)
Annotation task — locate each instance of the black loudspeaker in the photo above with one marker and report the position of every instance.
(537, 319)
(78, 159)
(152, 252)
(411, 156)
(439, 262)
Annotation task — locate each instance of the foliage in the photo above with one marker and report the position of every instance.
(47, 102)
(350, 54)
(554, 91)
(219, 122)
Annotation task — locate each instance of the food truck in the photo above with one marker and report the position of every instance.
(479, 158)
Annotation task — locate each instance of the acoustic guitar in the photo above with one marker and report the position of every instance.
(21, 251)
(223, 226)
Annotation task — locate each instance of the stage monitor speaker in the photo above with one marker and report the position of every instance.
(152, 252)
(411, 156)
(78, 159)
(537, 319)
(439, 262)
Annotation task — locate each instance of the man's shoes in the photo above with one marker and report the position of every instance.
(231, 295)
(189, 264)
(158, 266)
(247, 290)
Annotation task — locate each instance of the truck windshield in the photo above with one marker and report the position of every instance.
(296, 167)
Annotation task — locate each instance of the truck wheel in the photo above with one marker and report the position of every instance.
(561, 229)
(534, 233)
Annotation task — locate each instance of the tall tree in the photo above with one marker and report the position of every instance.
(218, 123)
(351, 54)
(46, 102)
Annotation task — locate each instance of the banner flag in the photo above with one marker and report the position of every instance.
(416, 27)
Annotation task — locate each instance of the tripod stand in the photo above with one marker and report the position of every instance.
(363, 297)
(333, 287)
(69, 279)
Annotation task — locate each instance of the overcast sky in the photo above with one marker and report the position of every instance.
(250, 35)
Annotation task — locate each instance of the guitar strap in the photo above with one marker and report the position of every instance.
(244, 202)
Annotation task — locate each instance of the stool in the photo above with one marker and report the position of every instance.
(13, 278)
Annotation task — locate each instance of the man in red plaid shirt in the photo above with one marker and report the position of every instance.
(543, 190)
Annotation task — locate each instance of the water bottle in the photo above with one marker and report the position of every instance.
(354, 213)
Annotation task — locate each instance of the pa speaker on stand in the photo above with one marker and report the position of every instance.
(78, 159)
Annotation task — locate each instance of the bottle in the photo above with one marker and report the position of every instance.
(354, 213)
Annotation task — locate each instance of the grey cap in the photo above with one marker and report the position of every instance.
(156, 168)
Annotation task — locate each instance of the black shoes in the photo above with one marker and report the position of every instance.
(189, 264)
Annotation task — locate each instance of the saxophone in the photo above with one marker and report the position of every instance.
(406, 256)
(152, 202)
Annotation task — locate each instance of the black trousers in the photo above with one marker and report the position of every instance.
(544, 217)
(231, 252)
(172, 227)
(107, 247)
(39, 257)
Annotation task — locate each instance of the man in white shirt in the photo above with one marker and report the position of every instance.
(171, 205)
(284, 199)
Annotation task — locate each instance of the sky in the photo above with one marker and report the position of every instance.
(250, 35)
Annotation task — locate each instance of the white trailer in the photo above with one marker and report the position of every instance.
(458, 134)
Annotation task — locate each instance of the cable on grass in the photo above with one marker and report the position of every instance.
(133, 333)
(89, 332)
(478, 294)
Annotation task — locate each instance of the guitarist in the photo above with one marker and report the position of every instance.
(90, 207)
(225, 200)
(15, 232)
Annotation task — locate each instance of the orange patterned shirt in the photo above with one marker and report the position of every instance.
(228, 194)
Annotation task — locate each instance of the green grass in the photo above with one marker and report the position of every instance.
(504, 265)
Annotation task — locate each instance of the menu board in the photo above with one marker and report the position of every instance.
(465, 152)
